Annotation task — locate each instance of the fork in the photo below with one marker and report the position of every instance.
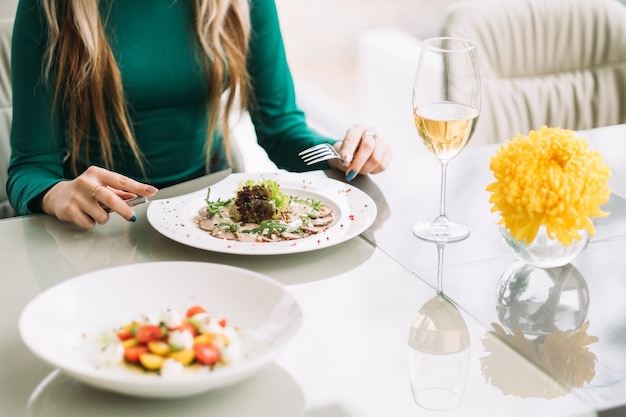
(319, 153)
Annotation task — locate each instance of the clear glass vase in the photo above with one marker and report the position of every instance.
(544, 252)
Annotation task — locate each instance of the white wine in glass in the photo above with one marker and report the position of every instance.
(446, 106)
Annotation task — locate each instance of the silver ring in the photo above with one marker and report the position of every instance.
(374, 135)
(94, 191)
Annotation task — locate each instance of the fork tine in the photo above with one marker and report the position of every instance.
(312, 149)
(318, 153)
(320, 159)
(318, 156)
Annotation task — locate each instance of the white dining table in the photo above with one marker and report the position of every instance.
(350, 358)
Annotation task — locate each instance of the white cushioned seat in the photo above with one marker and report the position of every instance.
(560, 63)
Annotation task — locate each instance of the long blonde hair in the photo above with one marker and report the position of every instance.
(87, 80)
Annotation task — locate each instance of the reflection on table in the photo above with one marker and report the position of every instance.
(542, 314)
(569, 322)
(439, 355)
(271, 392)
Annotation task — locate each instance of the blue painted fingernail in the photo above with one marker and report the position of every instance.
(133, 219)
(351, 174)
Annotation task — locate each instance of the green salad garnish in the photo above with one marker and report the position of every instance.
(257, 201)
(213, 207)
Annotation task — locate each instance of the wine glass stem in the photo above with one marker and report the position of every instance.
(442, 197)
(440, 247)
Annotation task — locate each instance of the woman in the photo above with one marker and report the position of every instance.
(114, 98)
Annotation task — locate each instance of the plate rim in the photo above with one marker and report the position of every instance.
(270, 248)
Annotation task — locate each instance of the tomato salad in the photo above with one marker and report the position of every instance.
(173, 342)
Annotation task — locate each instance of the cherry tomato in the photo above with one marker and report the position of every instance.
(207, 354)
(192, 311)
(148, 332)
(132, 353)
(124, 335)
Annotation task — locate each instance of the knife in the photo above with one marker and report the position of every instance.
(182, 188)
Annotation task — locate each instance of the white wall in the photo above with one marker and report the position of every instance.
(7, 8)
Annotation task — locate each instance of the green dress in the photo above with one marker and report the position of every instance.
(154, 45)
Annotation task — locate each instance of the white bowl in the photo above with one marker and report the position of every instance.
(58, 324)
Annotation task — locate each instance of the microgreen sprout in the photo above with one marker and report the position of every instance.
(311, 202)
(305, 218)
(268, 228)
(229, 227)
(213, 207)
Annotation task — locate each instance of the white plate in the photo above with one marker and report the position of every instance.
(58, 325)
(353, 212)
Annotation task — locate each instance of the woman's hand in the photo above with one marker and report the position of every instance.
(85, 199)
(363, 152)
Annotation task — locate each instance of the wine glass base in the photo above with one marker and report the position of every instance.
(441, 232)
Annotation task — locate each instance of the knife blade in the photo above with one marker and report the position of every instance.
(182, 188)
(191, 185)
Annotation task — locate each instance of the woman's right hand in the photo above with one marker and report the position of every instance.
(84, 199)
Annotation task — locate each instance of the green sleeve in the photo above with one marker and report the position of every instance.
(280, 125)
(37, 139)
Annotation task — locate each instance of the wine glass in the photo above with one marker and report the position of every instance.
(446, 105)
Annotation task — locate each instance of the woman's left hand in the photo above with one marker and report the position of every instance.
(363, 151)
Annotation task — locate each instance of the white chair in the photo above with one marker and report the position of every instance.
(560, 63)
(6, 28)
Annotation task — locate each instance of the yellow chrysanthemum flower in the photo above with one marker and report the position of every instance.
(552, 178)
